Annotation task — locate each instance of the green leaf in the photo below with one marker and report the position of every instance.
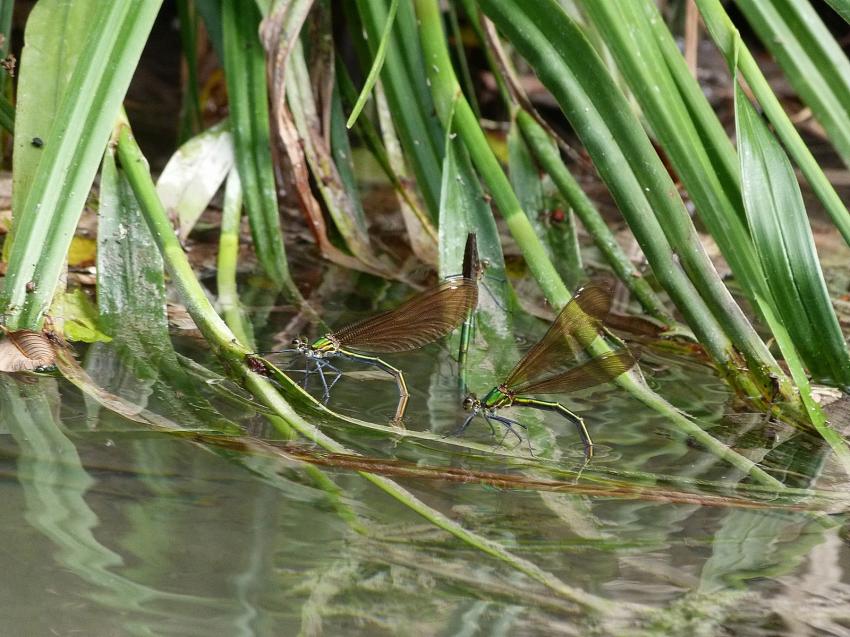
(80, 123)
(404, 80)
(377, 63)
(492, 350)
(44, 72)
(228, 257)
(685, 124)
(725, 35)
(245, 73)
(464, 209)
(841, 7)
(210, 12)
(783, 239)
(814, 63)
(140, 364)
(623, 155)
(191, 119)
(130, 278)
(81, 318)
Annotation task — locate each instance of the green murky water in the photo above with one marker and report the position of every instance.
(111, 528)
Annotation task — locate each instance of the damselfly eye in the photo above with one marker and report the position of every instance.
(469, 402)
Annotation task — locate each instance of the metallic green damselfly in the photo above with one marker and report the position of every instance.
(549, 366)
(423, 319)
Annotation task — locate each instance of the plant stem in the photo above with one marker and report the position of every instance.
(228, 256)
(604, 239)
(234, 355)
(450, 102)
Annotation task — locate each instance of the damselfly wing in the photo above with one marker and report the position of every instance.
(423, 319)
(579, 321)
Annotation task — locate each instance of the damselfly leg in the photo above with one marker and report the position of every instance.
(459, 431)
(321, 365)
(508, 423)
(403, 394)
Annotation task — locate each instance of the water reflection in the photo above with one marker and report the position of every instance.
(130, 532)
(54, 485)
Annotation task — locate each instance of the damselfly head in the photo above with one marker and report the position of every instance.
(471, 403)
(299, 344)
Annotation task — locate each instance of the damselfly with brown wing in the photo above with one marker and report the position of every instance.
(549, 366)
(423, 319)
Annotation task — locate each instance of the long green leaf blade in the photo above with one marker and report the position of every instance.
(841, 7)
(245, 73)
(814, 63)
(375, 71)
(72, 150)
(780, 229)
(726, 36)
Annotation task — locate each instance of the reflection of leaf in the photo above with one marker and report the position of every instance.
(54, 483)
(750, 545)
(25, 351)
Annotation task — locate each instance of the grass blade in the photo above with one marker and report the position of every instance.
(228, 257)
(191, 120)
(245, 72)
(410, 101)
(61, 179)
(377, 63)
(570, 68)
(558, 237)
(451, 104)
(605, 241)
(841, 7)
(780, 229)
(814, 63)
(726, 36)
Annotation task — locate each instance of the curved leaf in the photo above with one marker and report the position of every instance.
(194, 174)
(780, 230)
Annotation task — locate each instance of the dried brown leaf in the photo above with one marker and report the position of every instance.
(26, 351)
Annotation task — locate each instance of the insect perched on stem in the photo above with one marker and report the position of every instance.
(545, 367)
(423, 319)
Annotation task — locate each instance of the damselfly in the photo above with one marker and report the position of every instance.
(423, 319)
(549, 366)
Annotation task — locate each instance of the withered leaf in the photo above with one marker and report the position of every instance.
(26, 350)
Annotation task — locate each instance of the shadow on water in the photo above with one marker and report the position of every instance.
(127, 530)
